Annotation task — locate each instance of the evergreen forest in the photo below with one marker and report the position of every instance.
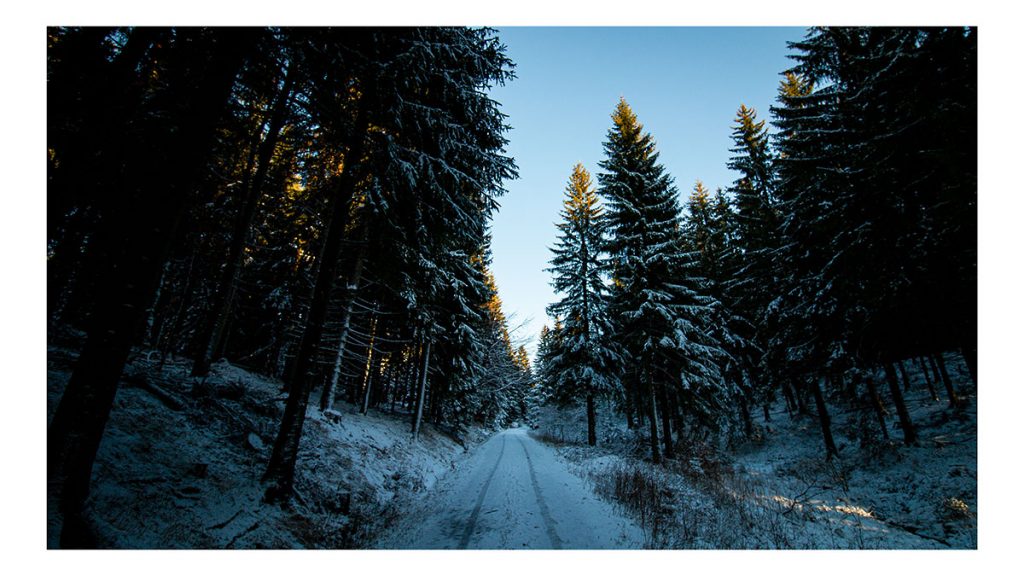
(270, 287)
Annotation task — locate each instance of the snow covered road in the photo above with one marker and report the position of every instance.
(513, 493)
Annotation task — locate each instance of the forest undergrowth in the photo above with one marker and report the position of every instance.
(181, 463)
(776, 490)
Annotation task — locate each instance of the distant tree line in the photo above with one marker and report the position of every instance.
(310, 203)
(845, 249)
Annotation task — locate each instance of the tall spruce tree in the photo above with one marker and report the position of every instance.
(584, 362)
(752, 274)
(709, 231)
(660, 317)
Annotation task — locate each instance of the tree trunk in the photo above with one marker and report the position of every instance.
(421, 396)
(927, 378)
(909, 434)
(331, 389)
(787, 393)
(954, 398)
(591, 421)
(280, 472)
(970, 354)
(800, 395)
(666, 424)
(903, 376)
(824, 420)
(935, 368)
(392, 381)
(630, 420)
(680, 415)
(653, 418)
(876, 404)
(212, 335)
(767, 414)
(157, 172)
(852, 386)
(748, 421)
(367, 371)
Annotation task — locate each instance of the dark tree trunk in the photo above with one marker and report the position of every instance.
(787, 393)
(434, 394)
(851, 389)
(280, 472)
(909, 434)
(935, 368)
(876, 404)
(748, 421)
(158, 173)
(164, 343)
(800, 392)
(591, 420)
(630, 421)
(680, 415)
(767, 414)
(824, 420)
(903, 376)
(970, 354)
(212, 335)
(954, 398)
(927, 379)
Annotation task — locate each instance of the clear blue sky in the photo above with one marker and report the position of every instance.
(684, 84)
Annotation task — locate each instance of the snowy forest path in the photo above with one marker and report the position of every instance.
(513, 492)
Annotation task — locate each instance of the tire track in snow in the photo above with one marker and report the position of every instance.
(545, 513)
(464, 542)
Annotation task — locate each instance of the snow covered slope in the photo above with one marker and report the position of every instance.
(181, 460)
(778, 491)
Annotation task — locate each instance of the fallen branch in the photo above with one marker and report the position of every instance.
(226, 522)
(254, 526)
(142, 382)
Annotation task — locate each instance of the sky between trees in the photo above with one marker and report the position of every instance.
(685, 85)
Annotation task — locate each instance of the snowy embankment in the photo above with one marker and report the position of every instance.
(181, 460)
(778, 491)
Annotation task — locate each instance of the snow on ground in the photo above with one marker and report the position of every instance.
(779, 492)
(180, 463)
(181, 459)
(513, 493)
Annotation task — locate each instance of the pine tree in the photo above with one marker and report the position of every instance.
(709, 231)
(752, 273)
(661, 319)
(584, 362)
(433, 164)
